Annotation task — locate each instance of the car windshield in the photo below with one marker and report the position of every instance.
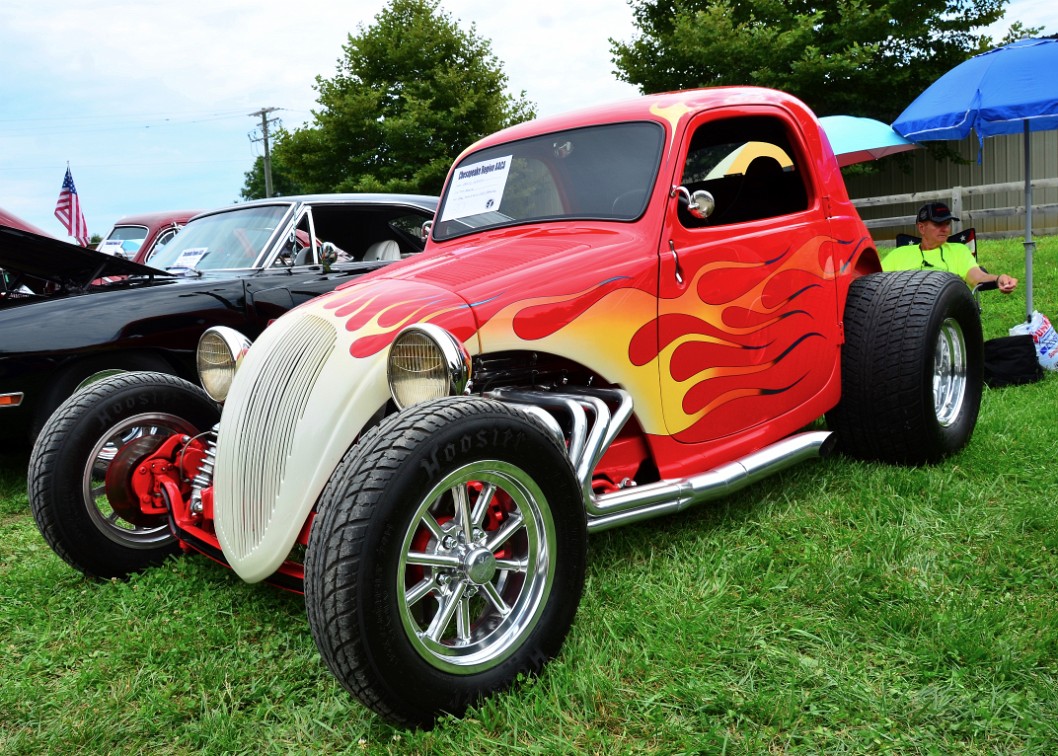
(600, 172)
(124, 241)
(232, 239)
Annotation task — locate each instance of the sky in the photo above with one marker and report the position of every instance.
(151, 102)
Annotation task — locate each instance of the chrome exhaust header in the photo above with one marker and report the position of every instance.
(595, 417)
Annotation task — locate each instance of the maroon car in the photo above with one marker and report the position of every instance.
(10, 284)
(12, 220)
(139, 237)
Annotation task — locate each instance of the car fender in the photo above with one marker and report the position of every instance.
(333, 353)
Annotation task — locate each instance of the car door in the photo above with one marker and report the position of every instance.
(747, 331)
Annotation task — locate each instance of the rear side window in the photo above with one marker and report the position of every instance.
(749, 167)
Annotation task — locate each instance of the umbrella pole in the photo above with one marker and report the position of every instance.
(1030, 246)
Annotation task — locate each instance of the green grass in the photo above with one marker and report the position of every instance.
(840, 607)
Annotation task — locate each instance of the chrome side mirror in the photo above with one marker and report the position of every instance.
(424, 232)
(700, 204)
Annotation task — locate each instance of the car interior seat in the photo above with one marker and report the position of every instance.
(761, 194)
(383, 250)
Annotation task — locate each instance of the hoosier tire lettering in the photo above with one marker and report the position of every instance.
(481, 440)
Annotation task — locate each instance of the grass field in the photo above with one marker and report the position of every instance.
(840, 607)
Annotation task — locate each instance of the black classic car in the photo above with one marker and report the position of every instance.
(241, 266)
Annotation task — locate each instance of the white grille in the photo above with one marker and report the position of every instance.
(257, 430)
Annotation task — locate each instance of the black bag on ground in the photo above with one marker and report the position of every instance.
(1010, 361)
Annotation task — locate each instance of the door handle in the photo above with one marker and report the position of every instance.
(676, 260)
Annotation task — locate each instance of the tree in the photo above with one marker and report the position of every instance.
(411, 93)
(855, 57)
(282, 181)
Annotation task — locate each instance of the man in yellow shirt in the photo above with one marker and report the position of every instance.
(937, 253)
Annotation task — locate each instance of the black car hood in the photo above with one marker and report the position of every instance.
(58, 262)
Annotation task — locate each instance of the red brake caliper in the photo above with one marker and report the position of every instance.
(134, 478)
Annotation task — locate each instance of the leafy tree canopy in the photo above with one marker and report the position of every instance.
(854, 57)
(412, 91)
(283, 183)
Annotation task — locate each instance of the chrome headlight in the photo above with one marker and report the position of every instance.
(426, 362)
(220, 350)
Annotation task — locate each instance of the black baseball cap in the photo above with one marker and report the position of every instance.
(937, 212)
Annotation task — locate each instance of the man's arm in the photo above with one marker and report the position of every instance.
(1006, 284)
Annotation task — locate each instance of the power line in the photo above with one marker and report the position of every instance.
(93, 124)
(111, 116)
(6, 169)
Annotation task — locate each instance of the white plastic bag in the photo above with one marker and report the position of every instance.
(1044, 336)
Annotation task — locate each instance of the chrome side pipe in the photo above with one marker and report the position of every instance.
(588, 441)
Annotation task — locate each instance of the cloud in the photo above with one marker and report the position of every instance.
(150, 101)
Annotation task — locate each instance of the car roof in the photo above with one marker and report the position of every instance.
(665, 107)
(159, 218)
(13, 221)
(420, 201)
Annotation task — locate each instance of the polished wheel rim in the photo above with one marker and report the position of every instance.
(476, 567)
(151, 532)
(949, 372)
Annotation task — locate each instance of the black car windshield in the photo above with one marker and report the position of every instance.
(232, 239)
(599, 172)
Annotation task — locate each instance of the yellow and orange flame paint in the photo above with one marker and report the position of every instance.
(748, 338)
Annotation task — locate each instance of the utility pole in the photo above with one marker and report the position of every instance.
(265, 121)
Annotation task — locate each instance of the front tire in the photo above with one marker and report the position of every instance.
(80, 464)
(447, 558)
(911, 368)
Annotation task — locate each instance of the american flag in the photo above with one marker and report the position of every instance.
(68, 210)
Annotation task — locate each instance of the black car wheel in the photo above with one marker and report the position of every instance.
(911, 368)
(83, 459)
(67, 380)
(447, 558)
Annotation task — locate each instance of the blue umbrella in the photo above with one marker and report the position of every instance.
(855, 140)
(1007, 90)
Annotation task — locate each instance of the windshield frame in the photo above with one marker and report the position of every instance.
(590, 170)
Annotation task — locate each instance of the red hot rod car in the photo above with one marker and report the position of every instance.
(620, 313)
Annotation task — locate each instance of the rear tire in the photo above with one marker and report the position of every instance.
(911, 368)
(447, 558)
(86, 515)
